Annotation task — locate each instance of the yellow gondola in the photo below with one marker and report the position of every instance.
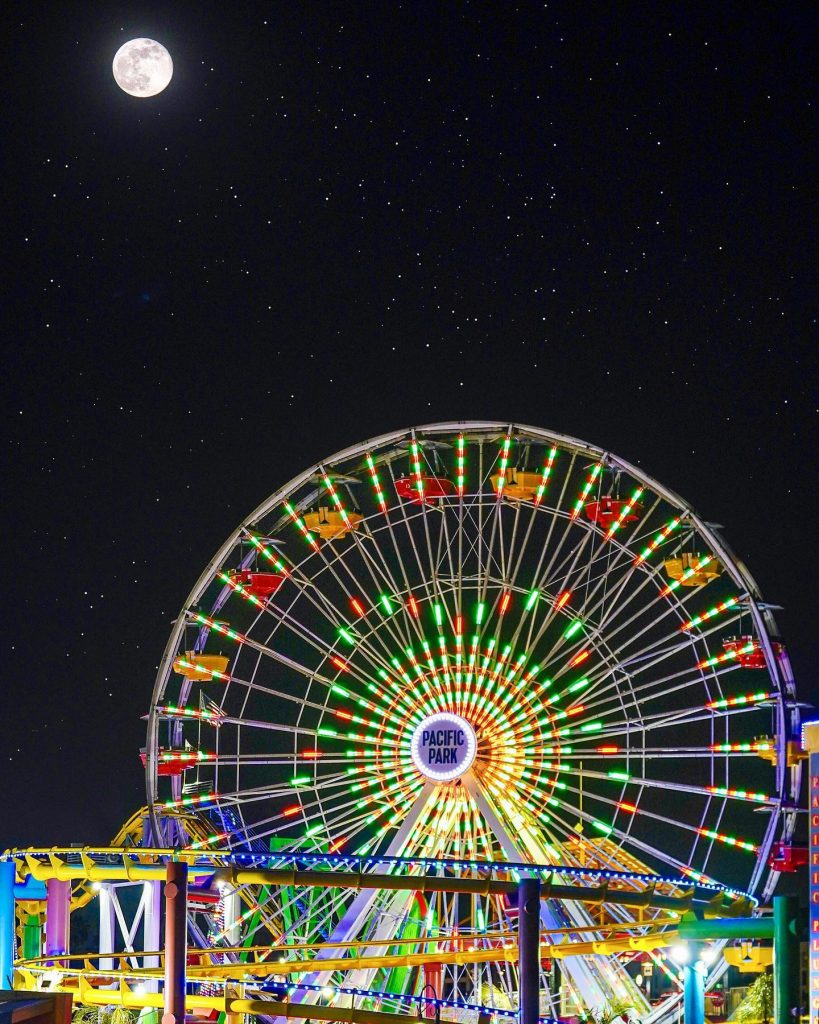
(200, 666)
(680, 569)
(331, 525)
(519, 484)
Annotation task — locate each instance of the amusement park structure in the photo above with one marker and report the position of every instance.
(468, 721)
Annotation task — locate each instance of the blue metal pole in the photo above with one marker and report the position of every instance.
(7, 870)
(529, 950)
(694, 987)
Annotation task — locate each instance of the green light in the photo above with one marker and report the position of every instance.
(591, 727)
(439, 615)
(346, 636)
(531, 600)
(386, 604)
(573, 628)
(300, 780)
(480, 611)
(578, 685)
(605, 829)
(620, 776)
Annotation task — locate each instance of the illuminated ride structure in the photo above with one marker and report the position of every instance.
(466, 642)
(278, 979)
(475, 641)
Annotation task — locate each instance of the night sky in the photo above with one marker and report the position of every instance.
(341, 219)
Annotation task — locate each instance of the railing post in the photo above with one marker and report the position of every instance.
(176, 941)
(108, 928)
(152, 926)
(58, 907)
(528, 950)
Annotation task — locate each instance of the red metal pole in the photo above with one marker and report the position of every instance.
(432, 986)
(176, 941)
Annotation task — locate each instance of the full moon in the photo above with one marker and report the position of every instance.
(142, 67)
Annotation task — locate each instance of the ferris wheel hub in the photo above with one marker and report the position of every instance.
(443, 746)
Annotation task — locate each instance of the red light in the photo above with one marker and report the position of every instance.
(290, 811)
(340, 664)
(576, 710)
(313, 754)
(345, 714)
(336, 845)
(505, 602)
(562, 599)
(578, 658)
(629, 808)
(357, 606)
(413, 605)
(608, 750)
(459, 625)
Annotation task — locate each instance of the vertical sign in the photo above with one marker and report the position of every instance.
(810, 742)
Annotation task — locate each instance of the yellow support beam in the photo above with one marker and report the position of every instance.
(126, 997)
(29, 971)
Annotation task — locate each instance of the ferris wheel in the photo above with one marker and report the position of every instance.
(478, 641)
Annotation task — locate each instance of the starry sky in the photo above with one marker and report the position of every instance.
(342, 218)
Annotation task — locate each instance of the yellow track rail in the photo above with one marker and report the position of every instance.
(146, 864)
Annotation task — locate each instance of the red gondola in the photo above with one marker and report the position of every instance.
(750, 653)
(203, 900)
(607, 511)
(259, 584)
(172, 762)
(787, 857)
(431, 487)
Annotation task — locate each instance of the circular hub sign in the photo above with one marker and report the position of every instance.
(443, 746)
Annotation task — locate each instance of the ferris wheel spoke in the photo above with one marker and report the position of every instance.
(263, 649)
(536, 506)
(246, 796)
(679, 632)
(622, 562)
(422, 576)
(389, 622)
(628, 839)
(666, 720)
(676, 607)
(606, 752)
(654, 688)
(625, 778)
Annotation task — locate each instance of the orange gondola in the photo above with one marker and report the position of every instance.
(693, 569)
(332, 525)
(200, 666)
(518, 484)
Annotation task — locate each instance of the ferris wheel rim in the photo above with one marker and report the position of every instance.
(734, 565)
